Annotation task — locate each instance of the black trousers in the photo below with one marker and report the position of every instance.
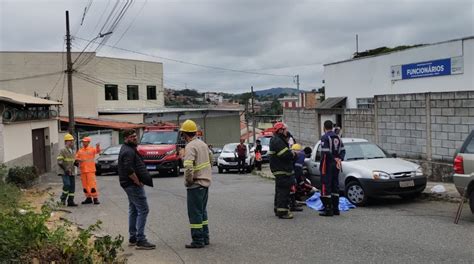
(330, 181)
(282, 192)
(197, 213)
(241, 162)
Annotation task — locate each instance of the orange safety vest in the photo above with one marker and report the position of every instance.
(86, 156)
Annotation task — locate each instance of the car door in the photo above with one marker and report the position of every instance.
(313, 166)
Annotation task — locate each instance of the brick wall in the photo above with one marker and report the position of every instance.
(308, 125)
(359, 123)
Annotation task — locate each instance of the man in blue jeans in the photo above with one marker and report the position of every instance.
(133, 176)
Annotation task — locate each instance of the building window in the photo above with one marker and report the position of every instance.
(365, 102)
(151, 92)
(132, 92)
(111, 92)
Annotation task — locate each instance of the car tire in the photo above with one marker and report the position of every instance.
(356, 194)
(471, 201)
(220, 170)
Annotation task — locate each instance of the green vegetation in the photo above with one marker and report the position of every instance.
(23, 177)
(26, 234)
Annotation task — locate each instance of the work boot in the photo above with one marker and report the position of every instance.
(70, 201)
(335, 205)
(63, 201)
(194, 245)
(288, 215)
(145, 245)
(88, 200)
(96, 201)
(327, 206)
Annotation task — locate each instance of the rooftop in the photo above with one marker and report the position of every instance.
(102, 123)
(22, 99)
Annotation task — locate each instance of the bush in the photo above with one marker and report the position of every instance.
(3, 172)
(23, 177)
(9, 196)
(24, 236)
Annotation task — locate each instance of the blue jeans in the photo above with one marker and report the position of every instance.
(69, 186)
(137, 212)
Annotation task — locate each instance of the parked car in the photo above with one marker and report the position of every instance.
(369, 171)
(108, 160)
(215, 155)
(228, 158)
(464, 169)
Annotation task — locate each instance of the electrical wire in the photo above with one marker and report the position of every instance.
(191, 63)
(31, 76)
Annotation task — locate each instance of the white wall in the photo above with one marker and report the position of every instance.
(367, 77)
(132, 118)
(17, 137)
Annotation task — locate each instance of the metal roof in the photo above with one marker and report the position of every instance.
(102, 123)
(23, 99)
(331, 103)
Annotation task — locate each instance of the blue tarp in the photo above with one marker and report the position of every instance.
(314, 202)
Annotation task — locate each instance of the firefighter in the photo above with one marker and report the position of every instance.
(66, 159)
(332, 154)
(198, 177)
(85, 156)
(281, 165)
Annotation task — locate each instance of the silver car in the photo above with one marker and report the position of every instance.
(464, 170)
(368, 171)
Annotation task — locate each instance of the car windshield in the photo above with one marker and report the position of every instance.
(363, 150)
(216, 150)
(229, 148)
(115, 150)
(265, 140)
(159, 137)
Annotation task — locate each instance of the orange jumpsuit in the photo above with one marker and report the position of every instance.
(86, 156)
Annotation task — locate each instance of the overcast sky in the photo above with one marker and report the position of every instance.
(281, 37)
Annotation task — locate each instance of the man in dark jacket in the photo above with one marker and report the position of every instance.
(281, 165)
(133, 175)
(241, 151)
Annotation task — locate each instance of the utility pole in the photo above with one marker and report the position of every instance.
(253, 115)
(69, 78)
(299, 105)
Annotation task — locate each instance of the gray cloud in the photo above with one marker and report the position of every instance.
(241, 34)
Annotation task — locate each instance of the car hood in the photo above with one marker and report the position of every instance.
(107, 157)
(388, 165)
(227, 155)
(154, 149)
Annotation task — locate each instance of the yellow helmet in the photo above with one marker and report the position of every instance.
(188, 126)
(68, 137)
(296, 147)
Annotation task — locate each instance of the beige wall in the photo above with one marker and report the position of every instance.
(88, 95)
(17, 137)
(123, 72)
(15, 65)
(132, 118)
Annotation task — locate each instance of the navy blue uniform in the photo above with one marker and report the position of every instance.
(332, 148)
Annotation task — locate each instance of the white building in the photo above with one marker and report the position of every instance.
(213, 98)
(102, 82)
(438, 67)
(28, 131)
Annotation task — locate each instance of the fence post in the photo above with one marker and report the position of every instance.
(376, 121)
(429, 151)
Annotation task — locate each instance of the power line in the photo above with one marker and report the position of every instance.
(31, 76)
(194, 64)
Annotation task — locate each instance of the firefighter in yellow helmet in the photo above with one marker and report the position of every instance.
(66, 159)
(198, 176)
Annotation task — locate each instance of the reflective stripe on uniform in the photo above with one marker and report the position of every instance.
(60, 158)
(68, 159)
(202, 166)
(299, 165)
(188, 163)
(271, 152)
(281, 152)
(282, 173)
(196, 226)
(325, 149)
(205, 222)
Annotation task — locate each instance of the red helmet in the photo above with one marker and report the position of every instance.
(86, 139)
(279, 125)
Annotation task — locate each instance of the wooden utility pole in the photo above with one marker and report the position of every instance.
(69, 78)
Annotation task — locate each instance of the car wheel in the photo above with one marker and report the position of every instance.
(356, 194)
(471, 201)
(220, 170)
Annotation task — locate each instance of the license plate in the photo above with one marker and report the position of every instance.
(150, 167)
(232, 163)
(404, 184)
(105, 166)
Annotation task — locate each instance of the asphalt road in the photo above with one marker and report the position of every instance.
(244, 229)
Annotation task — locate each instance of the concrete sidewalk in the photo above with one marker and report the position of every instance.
(450, 195)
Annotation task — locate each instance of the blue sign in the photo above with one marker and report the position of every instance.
(426, 69)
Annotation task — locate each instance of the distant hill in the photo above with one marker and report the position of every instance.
(277, 91)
